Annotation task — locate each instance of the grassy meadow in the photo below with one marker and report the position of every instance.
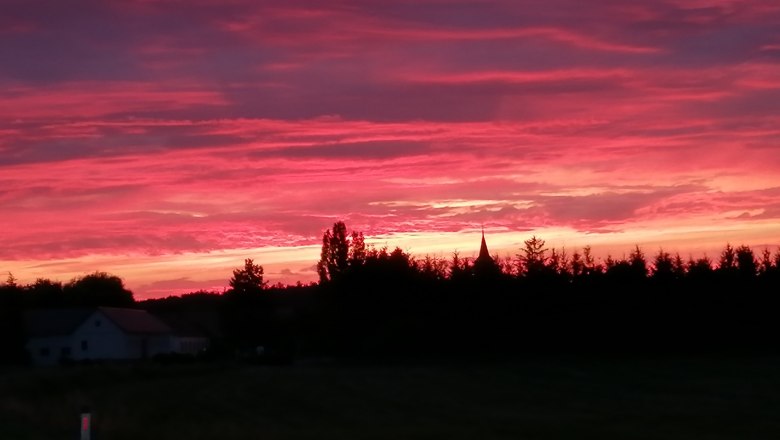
(535, 398)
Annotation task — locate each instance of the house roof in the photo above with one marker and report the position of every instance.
(60, 322)
(135, 320)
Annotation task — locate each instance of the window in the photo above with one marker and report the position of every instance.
(84, 345)
(44, 351)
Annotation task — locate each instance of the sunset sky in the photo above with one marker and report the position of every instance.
(164, 141)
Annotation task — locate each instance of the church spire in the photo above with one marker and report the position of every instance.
(483, 250)
(485, 267)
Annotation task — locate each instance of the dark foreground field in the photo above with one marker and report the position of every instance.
(564, 398)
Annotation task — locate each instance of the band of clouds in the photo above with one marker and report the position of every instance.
(242, 125)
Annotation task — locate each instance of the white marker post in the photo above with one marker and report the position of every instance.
(86, 422)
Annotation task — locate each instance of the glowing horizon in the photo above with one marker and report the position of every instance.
(166, 141)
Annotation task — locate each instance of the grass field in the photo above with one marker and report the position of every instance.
(540, 398)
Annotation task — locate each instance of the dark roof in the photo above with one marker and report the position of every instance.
(54, 322)
(61, 322)
(135, 320)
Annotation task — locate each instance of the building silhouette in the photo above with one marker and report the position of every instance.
(485, 266)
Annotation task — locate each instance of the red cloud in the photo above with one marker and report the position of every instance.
(186, 136)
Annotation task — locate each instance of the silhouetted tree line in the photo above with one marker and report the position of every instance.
(96, 289)
(376, 302)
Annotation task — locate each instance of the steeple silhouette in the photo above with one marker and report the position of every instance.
(483, 250)
(485, 267)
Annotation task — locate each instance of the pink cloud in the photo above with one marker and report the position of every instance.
(84, 99)
(170, 149)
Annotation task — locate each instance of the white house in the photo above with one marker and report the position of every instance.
(102, 333)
